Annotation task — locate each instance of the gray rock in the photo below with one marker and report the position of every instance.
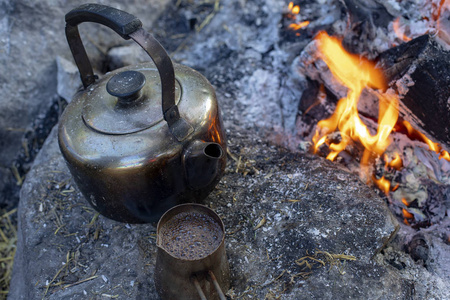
(119, 57)
(308, 204)
(68, 78)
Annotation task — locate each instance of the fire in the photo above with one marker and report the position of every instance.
(293, 11)
(417, 135)
(383, 184)
(445, 155)
(404, 201)
(395, 163)
(400, 31)
(407, 214)
(298, 26)
(355, 73)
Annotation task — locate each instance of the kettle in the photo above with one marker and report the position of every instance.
(143, 138)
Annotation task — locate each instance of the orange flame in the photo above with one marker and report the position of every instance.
(400, 31)
(395, 163)
(396, 187)
(436, 147)
(407, 214)
(355, 73)
(383, 184)
(293, 9)
(298, 26)
(444, 155)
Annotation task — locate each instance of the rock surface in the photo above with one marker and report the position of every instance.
(277, 207)
(308, 205)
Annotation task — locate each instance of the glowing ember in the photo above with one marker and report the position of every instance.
(355, 73)
(400, 30)
(417, 135)
(383, 184)
(298, 26)
(293, 11)
(395, 163)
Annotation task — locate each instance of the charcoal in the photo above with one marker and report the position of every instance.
(418, 248)
(420, 72)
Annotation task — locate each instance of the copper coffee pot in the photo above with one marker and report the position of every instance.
(191, 262)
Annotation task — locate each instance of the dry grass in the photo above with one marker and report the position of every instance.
(308, 263)
(8, 240)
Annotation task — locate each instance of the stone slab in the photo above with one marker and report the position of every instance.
(308, 204)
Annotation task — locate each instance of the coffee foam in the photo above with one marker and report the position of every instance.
(190, 235)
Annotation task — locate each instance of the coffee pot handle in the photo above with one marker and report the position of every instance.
(127, 26)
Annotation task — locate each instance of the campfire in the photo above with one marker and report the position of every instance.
(384, 143)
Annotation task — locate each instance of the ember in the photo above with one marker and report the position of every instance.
(293, 13)
(400, 30)
(429, 20)
(415, 134)
(395, 163)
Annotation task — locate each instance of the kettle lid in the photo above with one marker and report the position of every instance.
(104, 113)
(126, 102)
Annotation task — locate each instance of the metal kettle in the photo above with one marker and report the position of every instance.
(143, 138)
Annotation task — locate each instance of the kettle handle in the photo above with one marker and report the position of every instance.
(127, 26)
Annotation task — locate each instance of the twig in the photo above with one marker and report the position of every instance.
(15, 171)
(8, 213)
(209, 17)
(261, 223)
(78, 282)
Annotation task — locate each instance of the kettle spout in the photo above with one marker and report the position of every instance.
(203, 163)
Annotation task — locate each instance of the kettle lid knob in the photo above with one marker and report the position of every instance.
(126, 85)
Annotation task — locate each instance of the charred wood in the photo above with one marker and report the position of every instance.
(420, 72)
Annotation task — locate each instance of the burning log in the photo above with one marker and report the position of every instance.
(419, 72)
(415, 180)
